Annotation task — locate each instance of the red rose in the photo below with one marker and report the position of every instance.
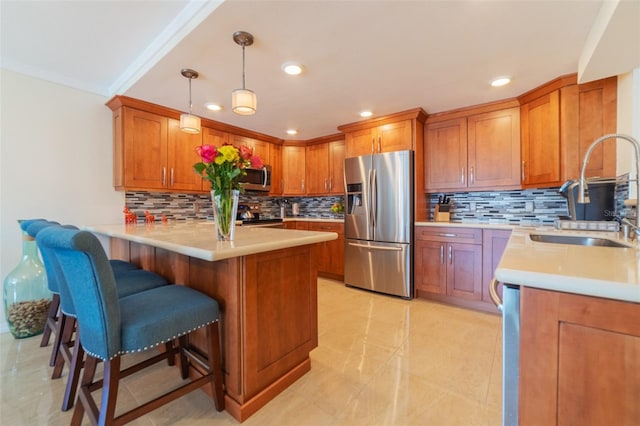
(256, 162)
(245, 152)
(208, 153)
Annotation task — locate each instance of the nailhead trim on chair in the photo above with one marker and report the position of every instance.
(152, 346)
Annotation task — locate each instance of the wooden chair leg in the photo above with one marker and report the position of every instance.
(59, 327)
(183, 343)
(215, 364)
(73, 378)
(110, 384)
(85, 394)
(66, 341)
(50, 325)
(168, 347)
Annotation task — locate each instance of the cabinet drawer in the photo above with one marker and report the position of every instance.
(449, 233)
(326, 227)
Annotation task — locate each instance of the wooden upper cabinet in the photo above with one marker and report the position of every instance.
(275, 160)
(214, 137)
(473, 151)
(157, 154)
(293, 170)
(260, 148)
(336, 167)
(384, 138)
(494, 149)
(317, 169)
(541, 141)
(589, 111)
(181, 156)
(446, 155)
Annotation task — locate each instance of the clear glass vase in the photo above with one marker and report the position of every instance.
(225, 208)
(26, 296)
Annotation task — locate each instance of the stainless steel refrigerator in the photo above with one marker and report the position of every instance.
(379, 223)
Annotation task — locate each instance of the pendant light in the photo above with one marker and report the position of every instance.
(243, 101)
(189, 123)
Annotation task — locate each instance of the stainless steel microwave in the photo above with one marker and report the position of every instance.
(257, 179)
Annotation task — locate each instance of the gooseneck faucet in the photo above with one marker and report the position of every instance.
(583, 194)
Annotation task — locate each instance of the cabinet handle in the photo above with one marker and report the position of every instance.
(302, 185)
(523, 173)
(164, 176)
(379, 144)
(326, 185)
(462, 176)
(441, 234)
(330, 184)
(373, 145)
(442, 253)
(493, 293)
(171, 177)
(450, 255)
(471, 178)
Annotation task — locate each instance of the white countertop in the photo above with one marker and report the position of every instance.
(468, 225)
(608, 272)
(311, 219)
(198, 239)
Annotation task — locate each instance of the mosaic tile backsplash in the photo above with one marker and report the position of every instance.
(531, 207)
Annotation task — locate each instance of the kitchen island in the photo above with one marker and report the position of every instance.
(265, 281)
(579, 329)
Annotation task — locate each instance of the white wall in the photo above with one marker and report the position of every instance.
(55, 160)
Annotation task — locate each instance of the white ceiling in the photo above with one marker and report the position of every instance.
(387, 56)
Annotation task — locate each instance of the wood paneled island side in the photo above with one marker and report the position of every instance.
(265, 281)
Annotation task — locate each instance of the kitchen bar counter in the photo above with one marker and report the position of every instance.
(608, 272)
(266, 284)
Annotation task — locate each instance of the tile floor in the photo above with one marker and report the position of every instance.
(380, 361)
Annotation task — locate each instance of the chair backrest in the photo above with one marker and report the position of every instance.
(32, 230)
(90, 280)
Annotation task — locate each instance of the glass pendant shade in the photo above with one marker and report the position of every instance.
(244, 102)
(189, 123)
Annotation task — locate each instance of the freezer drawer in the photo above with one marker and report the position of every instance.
(381, 267)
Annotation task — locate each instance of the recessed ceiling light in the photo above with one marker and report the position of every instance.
(213, 107)
(292, 132)
(502, 81)
(292, 68)
(366, 114)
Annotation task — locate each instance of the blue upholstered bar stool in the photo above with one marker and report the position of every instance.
(110, 327)
(129, 280)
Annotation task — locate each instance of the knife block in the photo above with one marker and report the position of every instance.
(442, 213)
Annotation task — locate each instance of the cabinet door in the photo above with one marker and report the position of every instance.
(145, 150)
(214, 137)
(394, 137)
(494, 241)
(330, 254)
(445, 155)
(359, 142)
(540, 131)
(336, 167)
(317, 169)
(293, 170)
(260, 148)
(181, 156)
(430, 266)
(464, 270)
(494, 149)
(275, 160)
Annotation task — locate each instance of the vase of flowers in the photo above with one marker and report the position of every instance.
(223, 167)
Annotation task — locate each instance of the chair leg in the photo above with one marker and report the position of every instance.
(215, 364)
(50, 325)
(74, 376)
(66, 341)
(168, 347)
(110, 384)
(183, 343)
(85, 393)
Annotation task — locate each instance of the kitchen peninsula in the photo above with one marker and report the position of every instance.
(265, 281)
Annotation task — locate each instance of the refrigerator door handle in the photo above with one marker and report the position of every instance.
(376, 247)
(374, 199)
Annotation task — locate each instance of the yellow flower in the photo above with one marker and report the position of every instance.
(227, 153)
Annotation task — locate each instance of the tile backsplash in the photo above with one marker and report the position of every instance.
(530, 207)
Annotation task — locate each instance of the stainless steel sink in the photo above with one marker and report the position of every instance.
(576, 240)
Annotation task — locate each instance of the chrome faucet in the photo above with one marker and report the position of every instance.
(583, 194)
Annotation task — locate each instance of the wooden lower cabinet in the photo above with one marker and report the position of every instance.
(579, 360)
(455, 264)
(330, 254)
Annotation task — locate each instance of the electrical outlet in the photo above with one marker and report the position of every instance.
(196, 207)
(528, 206)
(472, 206)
